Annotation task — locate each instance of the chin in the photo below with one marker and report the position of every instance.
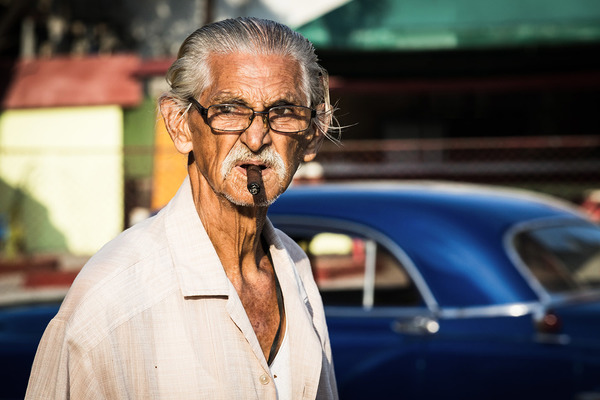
(250, 203)
(236, 193)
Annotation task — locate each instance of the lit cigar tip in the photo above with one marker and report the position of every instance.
(254, 188)
(253, 174)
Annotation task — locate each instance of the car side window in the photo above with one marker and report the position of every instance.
(355, 271)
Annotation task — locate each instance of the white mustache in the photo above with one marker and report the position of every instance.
(267, 156)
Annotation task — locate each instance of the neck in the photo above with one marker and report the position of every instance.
(235, 231)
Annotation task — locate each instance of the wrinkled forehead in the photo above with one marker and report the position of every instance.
(255, 77)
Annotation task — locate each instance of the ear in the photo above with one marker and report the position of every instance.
(176, 124)
(316, 139)
(314, 144)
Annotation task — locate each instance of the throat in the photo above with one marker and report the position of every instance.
(263, 302)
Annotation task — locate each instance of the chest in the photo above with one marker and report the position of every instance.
(200, 347)
(262, 307)
(194, 352)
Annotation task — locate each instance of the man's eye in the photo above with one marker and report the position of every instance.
(226, 109)
(283, 110)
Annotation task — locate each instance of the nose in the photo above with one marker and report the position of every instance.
(257, 135)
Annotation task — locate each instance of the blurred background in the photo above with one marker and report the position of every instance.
(496, 92)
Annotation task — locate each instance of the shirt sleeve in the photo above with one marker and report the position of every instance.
(60, 370)
(49, 375)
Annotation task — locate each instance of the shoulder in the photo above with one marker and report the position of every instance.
(134, 247)
(302, 265)
(128, 275)
(290, 245)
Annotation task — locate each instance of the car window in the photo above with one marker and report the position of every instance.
(355, 271)
(563, 258)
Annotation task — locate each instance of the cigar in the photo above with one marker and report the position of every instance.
(254, 176)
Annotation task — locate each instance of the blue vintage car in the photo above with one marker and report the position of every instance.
(432, 291)
(449, 291)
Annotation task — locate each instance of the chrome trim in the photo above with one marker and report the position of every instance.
(491, 311)
(369, 279)
(535, 309)
(364, 231)
(417, 326)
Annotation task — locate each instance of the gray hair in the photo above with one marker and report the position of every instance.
(190, 75)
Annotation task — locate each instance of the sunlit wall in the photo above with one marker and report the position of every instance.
(62, 175)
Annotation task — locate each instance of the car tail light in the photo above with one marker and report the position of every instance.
(549, 323)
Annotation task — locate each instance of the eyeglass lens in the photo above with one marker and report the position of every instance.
(233, 117)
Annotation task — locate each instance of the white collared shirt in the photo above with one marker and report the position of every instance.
(153, 316)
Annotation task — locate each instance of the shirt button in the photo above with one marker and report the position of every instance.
(264, 379)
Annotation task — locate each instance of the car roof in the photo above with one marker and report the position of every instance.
(455, 200)
(453, 232)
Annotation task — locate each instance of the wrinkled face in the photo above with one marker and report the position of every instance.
(258, 82)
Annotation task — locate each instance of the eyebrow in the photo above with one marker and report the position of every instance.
(230, 98)
(227, 98)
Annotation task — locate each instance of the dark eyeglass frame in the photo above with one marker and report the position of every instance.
(203, 111)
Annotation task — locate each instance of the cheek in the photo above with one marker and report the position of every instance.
(299, 149)
(292, 153)
(211, 150)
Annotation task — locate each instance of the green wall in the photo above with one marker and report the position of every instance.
(138, 139)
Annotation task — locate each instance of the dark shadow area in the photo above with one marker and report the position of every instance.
(33, 28)
(6, 72)
(11, 15)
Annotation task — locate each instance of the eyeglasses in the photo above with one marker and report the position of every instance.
(238, 118)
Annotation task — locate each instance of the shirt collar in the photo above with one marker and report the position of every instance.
(198, 267)
(196, 262)
(283, 263)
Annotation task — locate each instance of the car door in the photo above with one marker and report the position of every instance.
(378, 317)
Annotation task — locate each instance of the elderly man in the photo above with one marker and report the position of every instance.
(207, 300)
